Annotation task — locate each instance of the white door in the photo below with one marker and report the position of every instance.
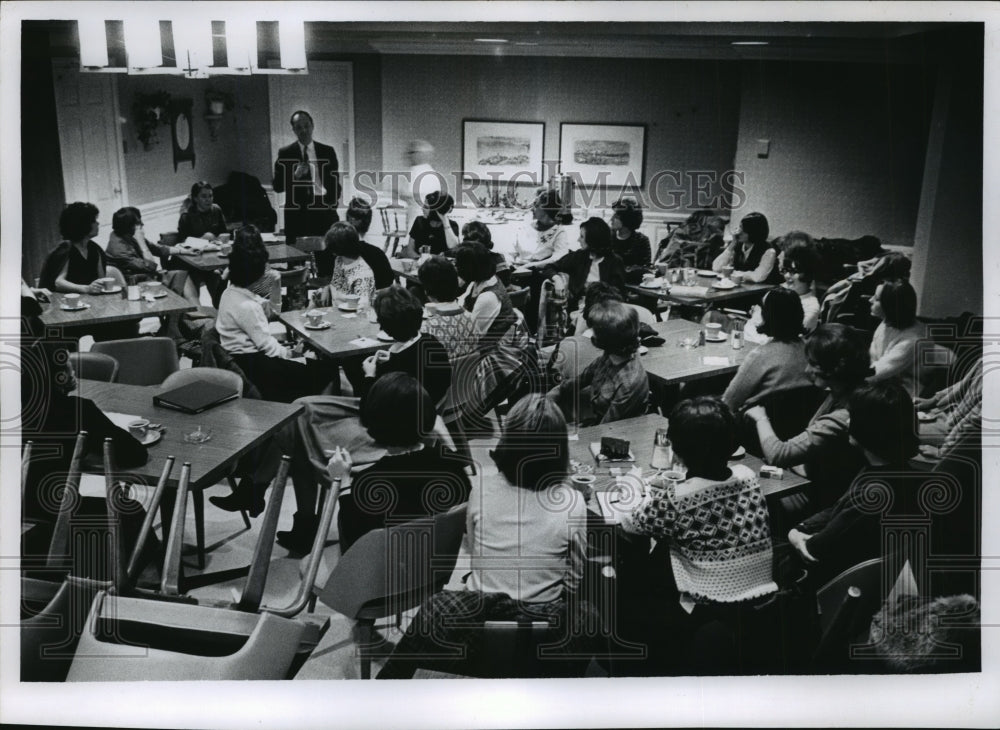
(327, 93)
(90, 140)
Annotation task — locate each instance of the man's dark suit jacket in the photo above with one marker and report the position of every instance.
(299, 193)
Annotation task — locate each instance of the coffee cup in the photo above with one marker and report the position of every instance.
(314, 317)
(153, 286)
(349, 301)
(107, 283)
(71, 300)
(673, 475)
(583, 483)
(139, 428)
(713, 331)
(727, 271)
(736, 278)
(646, 278)
(224, 238)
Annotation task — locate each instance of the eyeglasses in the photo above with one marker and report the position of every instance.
(787, 270)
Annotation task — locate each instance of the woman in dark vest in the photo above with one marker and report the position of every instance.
(503, 342)
(750, 254)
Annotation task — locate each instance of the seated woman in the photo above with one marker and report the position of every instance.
(750, 253)
(547, 240)
(351, 273)
(51, 419)
(77, 262)
(615, 385)
(525, 535)
(716, 567)
(850, 531)
(697, 242)
(836, 361)
(894, 342)
(398, 415)
(959, 410)
(778, 365)
(359, 215)
(421, 356)
(799, 263)
(501, 336)
(243, 331)
(631, 246)
(594, 261)
(433, 229)
(479, 232)
(444, 317)
(200, 217)
(133, 255)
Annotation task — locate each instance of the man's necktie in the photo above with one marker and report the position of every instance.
(305, 161)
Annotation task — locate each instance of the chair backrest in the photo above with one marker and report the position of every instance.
(391, 220)
(169, 238)
(395, 568)
(143, 360)
(520, 298)
(866, 577)
(791, 410)
(213, 355)
(94, 366)
(204, 375)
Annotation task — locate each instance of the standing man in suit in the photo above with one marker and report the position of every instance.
(306, 171)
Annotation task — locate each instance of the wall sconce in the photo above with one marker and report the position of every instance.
(148, 112)
(217, 103)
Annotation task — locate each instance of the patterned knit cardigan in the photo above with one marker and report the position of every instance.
(719, 535)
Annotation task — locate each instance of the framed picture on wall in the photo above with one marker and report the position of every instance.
(603, 155)
(182, 131)
(506, 151)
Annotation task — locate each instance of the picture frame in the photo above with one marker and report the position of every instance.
(510, 152)
(182, 131)
(603, 155)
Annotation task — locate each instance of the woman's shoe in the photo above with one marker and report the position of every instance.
(300, 538)
(240, 501)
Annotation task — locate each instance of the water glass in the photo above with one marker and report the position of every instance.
(690, 277)
(663, 452)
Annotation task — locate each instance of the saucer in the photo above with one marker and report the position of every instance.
(721, 338)
(113, 290)
(347, 307)
(724, 285)
(643, 349)
(707, 272)
(157, 293)
(652, 284)
(740, 452)
(321, 326)
(77, 308)
(151, 437)
(384, 337)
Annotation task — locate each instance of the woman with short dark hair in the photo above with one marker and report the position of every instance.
(895, 340)
(780, 363)
(201, 217)
(479, 232)
(799, 263)
(243, 331)
(77, 262)
(615, 385)
(594, 261)
(547, 241)
(412, 480)
(750, 253)
(837, 361)
(133, 255)
(632, 247)
(351, 273)
(359, 215)
(434, 228)
(883, 423)
(400, 316)
(444, 317)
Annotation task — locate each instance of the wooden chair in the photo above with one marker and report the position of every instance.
(94, 366)
(520, 299)
(393, 228)
(309, 244)
(241, 640)
(143, 360)
(844, 608)
(392, 570)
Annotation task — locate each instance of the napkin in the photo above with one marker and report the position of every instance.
(688, 291)
(714, 360)
(350, 315)
(199, 244)
(366, 342)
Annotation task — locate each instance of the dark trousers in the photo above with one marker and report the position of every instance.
(308, 222)
(284, 380)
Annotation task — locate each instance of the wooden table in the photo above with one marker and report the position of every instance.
(237, 426)
(278, 253)
(676, 364)
(107, 308)
(337, 342)
(639, 432)
(712, 296)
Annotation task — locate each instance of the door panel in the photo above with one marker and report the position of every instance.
(89, 140)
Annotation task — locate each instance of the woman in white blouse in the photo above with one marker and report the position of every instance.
(799, 263)
(351, 274)
(550, 241)
(895, 339)
(243, 330)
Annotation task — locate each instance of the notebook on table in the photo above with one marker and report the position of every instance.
(195, 397)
